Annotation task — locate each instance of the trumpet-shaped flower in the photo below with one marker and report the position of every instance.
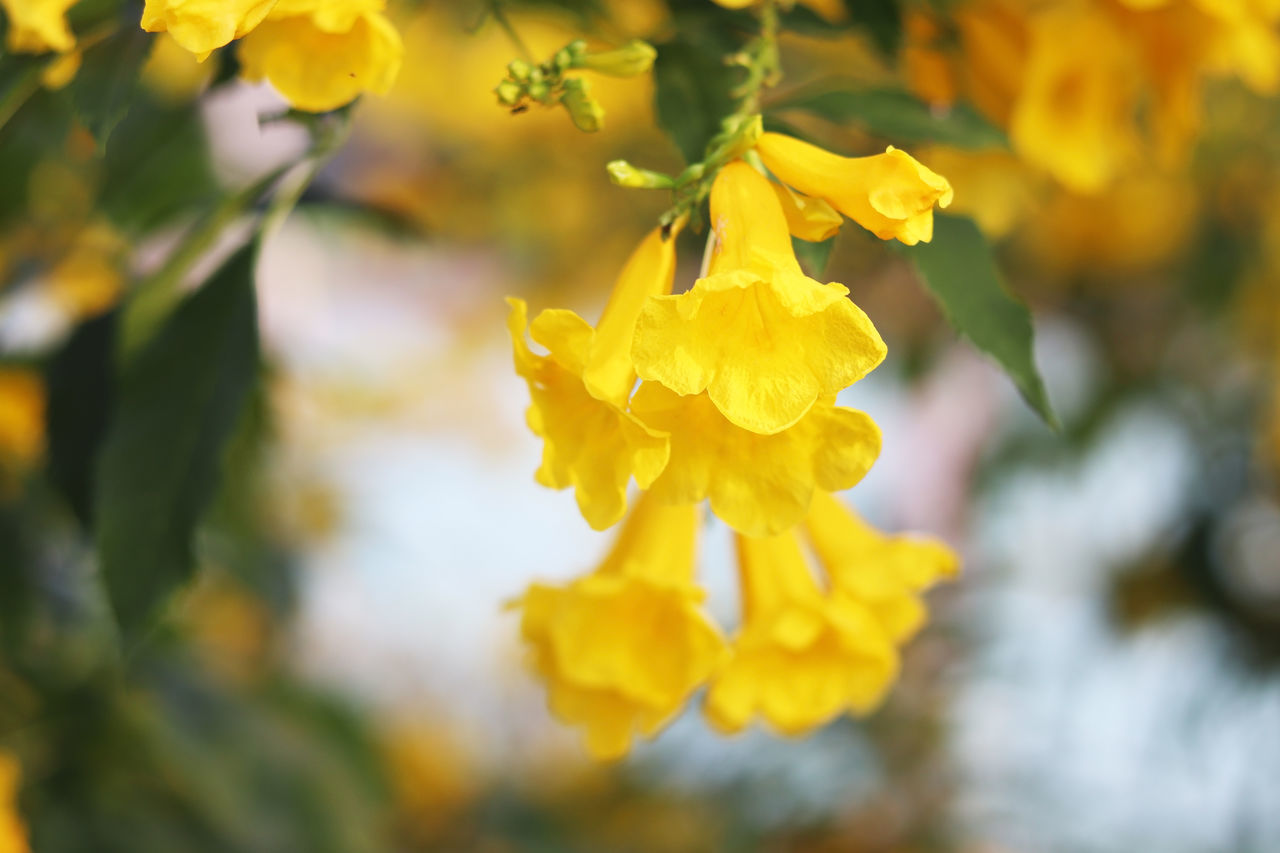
(891, 194)
(650, 271)
(13, 835)
(763, 340)
(622, 648)
(322, 55)
(759, 484)
(588, 443)
(1075, 114)
(802, 657)
(37, 26)
(202, 26)
(886, 574)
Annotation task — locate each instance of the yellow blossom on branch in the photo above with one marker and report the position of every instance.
(589, 444)
(892, 195)
(758, 484)
(886, 574)
(622, 648)
(762, 339)
(37, 26)
(580, 390)
(802, 657)
(322, 55)
(202, 26)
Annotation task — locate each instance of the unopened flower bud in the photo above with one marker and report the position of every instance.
(634, 57)
(624, 174)
(519, 70)
(585, 111)
(509, 93)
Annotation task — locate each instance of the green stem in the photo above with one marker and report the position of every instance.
(19, 92)
(760, 58)
(160, 292)
(500, 16)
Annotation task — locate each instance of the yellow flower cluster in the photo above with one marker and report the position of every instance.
(735, 406)
(13, 835)
(1081, 85)
(318, 54)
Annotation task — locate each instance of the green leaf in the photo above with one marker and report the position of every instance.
(899, 116)
(691, 81)
(177, 404)
(105, 85)
(960, 271)
(80, 382)
(813, 257)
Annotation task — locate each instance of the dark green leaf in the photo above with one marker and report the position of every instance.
(106, 83)
(960, 271)
(813, 257)
(179, 399)
(691, 81)
(80, 382)
(899, 116)
(157, 167)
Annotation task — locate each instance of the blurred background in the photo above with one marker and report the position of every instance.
(342, 675)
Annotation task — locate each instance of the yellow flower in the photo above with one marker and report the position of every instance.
(759, 484)
(832, 10)
(650, 271)
(590, 444)
(201, 26)
(36, 26)
(886, 574)
(891, 194)
(622, 648)
(808, 218)
(322, 55)
(763, 340)
(1075, 115)
(13, 835)
(22, 401)
(802, 657)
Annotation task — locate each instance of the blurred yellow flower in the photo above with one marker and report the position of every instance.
(13, 834)
(322, 55)
(762, 339)
(622, 648)
(590, 444)
(1074, 114)
(891, 194)
(22, 403)
(201, 26)
(36, 26)
(172, 72)
(831, 10)
(886, 574)
(802, 657)
(758, 484)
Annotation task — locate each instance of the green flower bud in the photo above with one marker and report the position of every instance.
(634, 57)
(519, 70)
(509, 93)
(624, 174)
(586, 113)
